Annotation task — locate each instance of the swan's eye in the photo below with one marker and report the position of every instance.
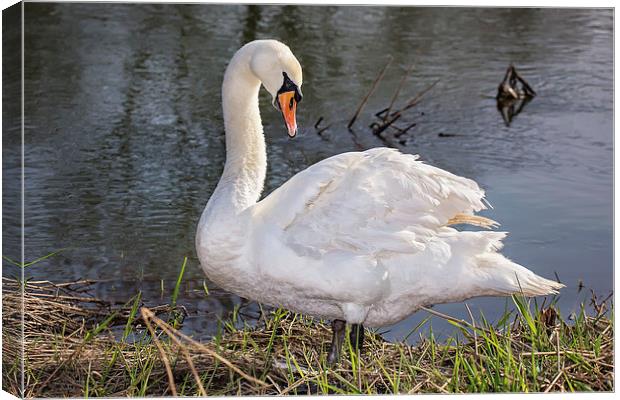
(289, 86)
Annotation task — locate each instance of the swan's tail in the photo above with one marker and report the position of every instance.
(504, 277)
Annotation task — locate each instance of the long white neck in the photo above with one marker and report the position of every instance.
(246, 158)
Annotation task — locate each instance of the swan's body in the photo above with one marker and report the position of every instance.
(361, 237)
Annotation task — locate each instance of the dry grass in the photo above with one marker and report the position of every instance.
(79, 346)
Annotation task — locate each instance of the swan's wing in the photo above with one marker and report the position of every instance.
(369, 202)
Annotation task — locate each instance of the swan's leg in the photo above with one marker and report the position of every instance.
(338, 327)
(357, 336)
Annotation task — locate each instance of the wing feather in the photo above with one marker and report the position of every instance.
(370, 202)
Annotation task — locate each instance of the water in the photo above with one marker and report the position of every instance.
(124, 134)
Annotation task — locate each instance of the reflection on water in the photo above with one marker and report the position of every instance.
(510, 108)
(124, 134)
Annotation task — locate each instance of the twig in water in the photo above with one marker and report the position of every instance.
(318, 122)
(356, 141)
(380, 128)
(528, 89)
(398, 89)
(370, 92)
(381, 113)
(415, 100)
(403, 131)
(320, 131)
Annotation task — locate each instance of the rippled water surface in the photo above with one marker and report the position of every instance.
(124, 134)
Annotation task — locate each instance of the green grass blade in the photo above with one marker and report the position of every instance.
(177, 286)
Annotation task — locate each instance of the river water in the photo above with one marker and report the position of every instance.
(124, 133)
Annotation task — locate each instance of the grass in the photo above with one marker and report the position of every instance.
(76, 345)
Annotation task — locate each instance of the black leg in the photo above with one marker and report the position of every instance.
(357, 336)
(338, 326)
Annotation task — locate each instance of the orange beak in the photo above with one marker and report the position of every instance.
(288, 105)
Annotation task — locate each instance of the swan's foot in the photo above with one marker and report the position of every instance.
(357, 336)
(338, 327)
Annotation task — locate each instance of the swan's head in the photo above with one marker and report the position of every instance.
(280, 72)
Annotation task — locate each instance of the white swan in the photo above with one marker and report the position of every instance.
(361, 237)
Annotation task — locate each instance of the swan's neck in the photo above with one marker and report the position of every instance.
(246, 159)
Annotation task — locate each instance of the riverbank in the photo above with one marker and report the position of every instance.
(77, 345)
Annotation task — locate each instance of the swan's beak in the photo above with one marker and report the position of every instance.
(288, 106)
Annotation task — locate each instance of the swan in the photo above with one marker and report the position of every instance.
(358, 238)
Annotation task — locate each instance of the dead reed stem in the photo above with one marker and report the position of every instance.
(373, 87)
